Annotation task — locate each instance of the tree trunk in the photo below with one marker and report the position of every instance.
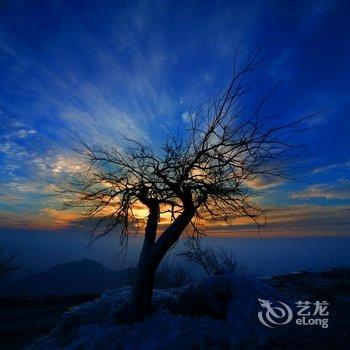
(143, 286)
(151, 255)
(144, 280)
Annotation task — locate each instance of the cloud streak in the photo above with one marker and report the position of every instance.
(339, 190)
(335, 166)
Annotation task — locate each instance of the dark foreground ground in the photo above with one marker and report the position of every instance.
(24, 319)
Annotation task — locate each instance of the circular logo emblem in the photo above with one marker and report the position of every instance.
(274, 315)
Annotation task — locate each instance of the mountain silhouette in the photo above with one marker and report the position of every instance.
(78, 277)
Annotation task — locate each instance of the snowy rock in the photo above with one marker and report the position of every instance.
(101, 310)
(221, 286)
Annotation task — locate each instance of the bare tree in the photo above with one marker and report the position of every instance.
(188, 181)
(212, 261)
(171, 275)
(8, 263)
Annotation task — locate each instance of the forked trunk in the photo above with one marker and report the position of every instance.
(152, 254)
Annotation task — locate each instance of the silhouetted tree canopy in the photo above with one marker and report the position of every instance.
(190, 180)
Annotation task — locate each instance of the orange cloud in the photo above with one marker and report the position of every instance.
(47, 218)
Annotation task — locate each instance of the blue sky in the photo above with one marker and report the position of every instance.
(105, 68)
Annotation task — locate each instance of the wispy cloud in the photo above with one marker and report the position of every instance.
(339, 190)
(334, 166)
(295, 220)
(261, 183)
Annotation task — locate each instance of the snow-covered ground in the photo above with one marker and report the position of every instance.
(93, 325)
(219, 312)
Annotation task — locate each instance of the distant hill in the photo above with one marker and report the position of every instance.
(78, 277)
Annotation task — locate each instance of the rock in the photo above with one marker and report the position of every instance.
(197, 302)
